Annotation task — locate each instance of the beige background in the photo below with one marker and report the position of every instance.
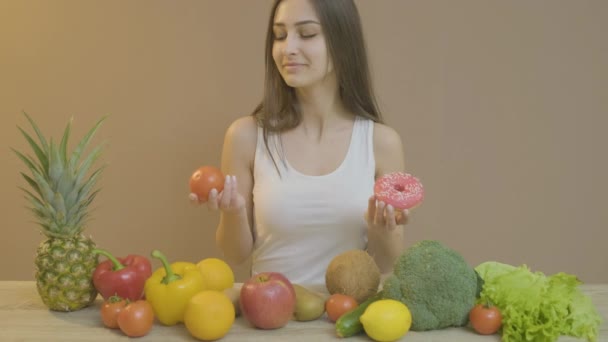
(501, 105)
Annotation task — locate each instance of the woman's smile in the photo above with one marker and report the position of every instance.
(292, 67)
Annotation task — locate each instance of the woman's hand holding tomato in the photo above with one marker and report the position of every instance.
(203, 180)
(208, 185)
(380, 216)
(229, 200)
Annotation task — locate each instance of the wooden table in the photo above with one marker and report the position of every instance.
(23, 317)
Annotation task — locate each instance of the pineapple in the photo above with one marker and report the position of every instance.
(60, 199)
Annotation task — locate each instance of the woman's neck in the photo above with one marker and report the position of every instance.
(322, 117)
(320, 106)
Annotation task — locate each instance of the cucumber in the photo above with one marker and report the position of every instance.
(348, 324)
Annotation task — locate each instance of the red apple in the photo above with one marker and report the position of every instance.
(268, 300)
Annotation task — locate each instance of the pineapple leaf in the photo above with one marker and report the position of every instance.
(55, 165)
(39, 214)
(49, 208)
(71, 198)
(45, 189)
(75, 209)
(39, 208)
(92, 197)
(45, 146)
(54, 228)
(90, 183)
(33, 198)
(83, 144)
(47, 230)
(76, 224)
(82, 204)
(65, 185)
(44, 162)
(83, 207)
(59, 206)
(63, 146)
(84, 198)
(76, 220)
(43, 209)
(32, 183)
(29, 161)
(42, 224)
(86, 164)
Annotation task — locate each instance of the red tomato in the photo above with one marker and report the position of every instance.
(338, 304)
(486, 320)
(110, 310)
(136, 318)
(204, 179)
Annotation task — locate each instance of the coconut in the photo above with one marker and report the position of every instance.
(353, 273)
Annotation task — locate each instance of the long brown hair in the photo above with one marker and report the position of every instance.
(343, 33)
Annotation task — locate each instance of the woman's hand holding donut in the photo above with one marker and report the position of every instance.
(228, 201)
(380, 216)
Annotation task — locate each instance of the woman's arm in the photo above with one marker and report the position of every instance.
(386, 232)
(234, 234)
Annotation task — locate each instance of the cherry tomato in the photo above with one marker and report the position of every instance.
(110, 310)
(204, 179)
(338, 304)
(136, 318)
(486, 320)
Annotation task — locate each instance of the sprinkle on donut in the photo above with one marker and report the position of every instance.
(399, 189)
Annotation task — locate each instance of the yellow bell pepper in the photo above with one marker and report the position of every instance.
(170, 288)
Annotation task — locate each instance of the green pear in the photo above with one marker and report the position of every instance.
(309, 305)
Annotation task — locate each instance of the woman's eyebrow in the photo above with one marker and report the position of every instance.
(299, 23)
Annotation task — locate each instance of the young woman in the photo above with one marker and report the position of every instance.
(301, 169)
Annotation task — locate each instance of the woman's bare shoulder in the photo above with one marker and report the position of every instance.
(243, 129)
(241, 136)
(388, 149)
(386, 138)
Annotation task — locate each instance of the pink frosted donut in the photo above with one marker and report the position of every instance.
(399, 189)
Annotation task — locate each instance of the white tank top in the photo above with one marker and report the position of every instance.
(302, 222)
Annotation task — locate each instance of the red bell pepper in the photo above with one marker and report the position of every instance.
(122, 277)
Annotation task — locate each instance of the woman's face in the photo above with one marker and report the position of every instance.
(299, 49)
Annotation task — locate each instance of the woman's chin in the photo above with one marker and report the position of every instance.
(294, 82)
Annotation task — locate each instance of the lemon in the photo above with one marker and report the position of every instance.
(216, 273)
(386, 320)
(209, 315)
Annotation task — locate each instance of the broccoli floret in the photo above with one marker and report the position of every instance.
(435, 283)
